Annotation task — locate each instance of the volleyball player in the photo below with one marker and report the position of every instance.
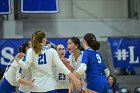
(24, 74)
(41, 59)
(93, 65)
(9, 82)
(61, 79)
(75, 59)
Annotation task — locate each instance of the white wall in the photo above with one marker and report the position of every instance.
(76, 18)
(100, 8)
(86, 9)
(12, 29)
(70, 27)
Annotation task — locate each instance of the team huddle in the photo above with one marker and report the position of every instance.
(38, 68)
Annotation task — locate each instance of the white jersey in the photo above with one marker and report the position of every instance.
(75, 64)
(61, 79)
(42, 68)
(24, 74)
(10, 73)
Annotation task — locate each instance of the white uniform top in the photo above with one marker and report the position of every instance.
(10, 73)
(24, 74)
(42, 68)
(75, 64)
(61, 79)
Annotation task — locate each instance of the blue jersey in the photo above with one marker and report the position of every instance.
(114, 88)
(94, 62)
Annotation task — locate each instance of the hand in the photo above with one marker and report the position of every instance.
(65, 61)
(31, 85)
(71, 87)
(78, 84)
(19, 56)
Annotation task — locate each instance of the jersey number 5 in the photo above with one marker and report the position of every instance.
(42, 59)
(98, 58)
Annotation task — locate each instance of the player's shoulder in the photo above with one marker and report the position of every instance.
(86, 51)
(14, 63)
(90, 51)
(97, 52)
(70, 56)
(48, 49)
(30, 50)
(45, 47)
(81, 52)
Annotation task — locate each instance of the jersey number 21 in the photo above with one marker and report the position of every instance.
(42, 59)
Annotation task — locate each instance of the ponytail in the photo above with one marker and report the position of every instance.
(37, 38)
(91, 41)
(95, 45)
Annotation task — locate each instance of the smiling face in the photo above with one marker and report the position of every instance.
(61, 50)
(71, 46)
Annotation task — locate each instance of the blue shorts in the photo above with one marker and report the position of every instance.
(98, 84)
(21, 92)
(53, 91)
(6, 87)
(62, 91)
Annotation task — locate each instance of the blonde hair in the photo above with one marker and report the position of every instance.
(37, 38)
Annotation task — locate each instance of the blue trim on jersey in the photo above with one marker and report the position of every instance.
(53, 91)
(45, 47)
(22, 92)
(24, 58)
(6, 87)
(62, 91)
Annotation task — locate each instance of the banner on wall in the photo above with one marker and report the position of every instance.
(9, 48)
(4, 6)
(125, 51)
(39, 6)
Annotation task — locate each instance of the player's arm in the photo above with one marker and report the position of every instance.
(82, 68)
(26, 82)
(66, 63)
(107, 72)
(57, 61)
(29, 58)
(21, 80)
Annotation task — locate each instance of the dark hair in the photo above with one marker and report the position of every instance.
(48, 42)
(114, 82)
(91, 41)
(23, 47)
(1, 73)
(20, 49)
(37, 38)
(76, 41)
